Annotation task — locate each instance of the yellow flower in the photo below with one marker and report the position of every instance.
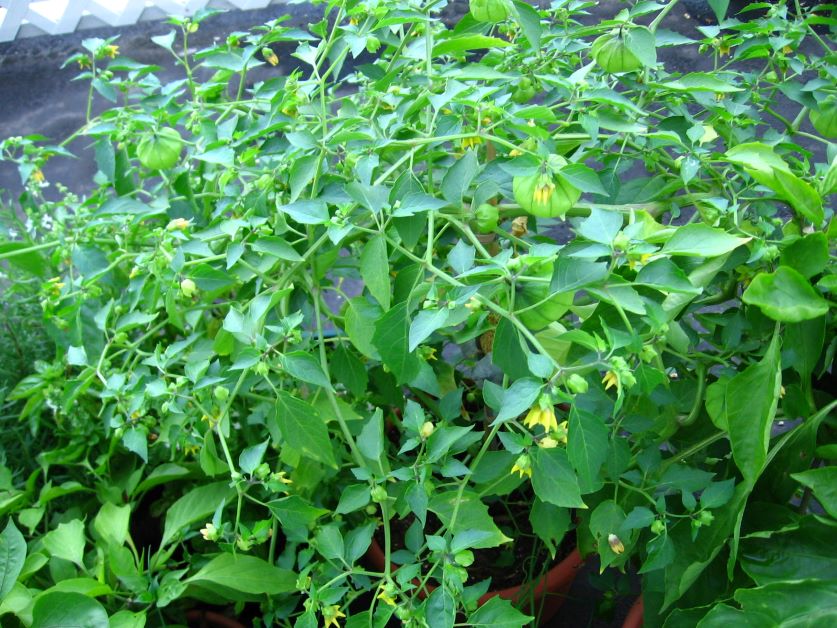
(561, 432)
(353, 21)
(615, 544)
(539, 416)
(386, 597)
(282, 477)
(331, 614)
(468, 142)
(522, 466)
(270, 56)
(111, 51)
(210, 532)
(548, 443)
(515, 152)
(610, 380)
(178, 224)
(38, 175)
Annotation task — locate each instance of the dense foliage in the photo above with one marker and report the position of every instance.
(442, 289)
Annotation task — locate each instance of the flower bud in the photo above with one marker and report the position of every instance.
(379, 494)
(427, 429)
(615, 544)
(188, 288)
(221, 393)
(577, 384)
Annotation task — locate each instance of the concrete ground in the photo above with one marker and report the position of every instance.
(36, 96)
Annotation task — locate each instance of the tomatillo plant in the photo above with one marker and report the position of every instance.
(465, 295)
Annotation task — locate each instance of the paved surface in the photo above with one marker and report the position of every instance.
(38, 97)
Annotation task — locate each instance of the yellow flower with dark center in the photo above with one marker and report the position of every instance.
(539, 416)
(331, 614)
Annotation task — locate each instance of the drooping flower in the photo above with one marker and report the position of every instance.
(610, 380)
(522, 466)
(331, 615)
(210, 532)
(615, 544)
(540, 416)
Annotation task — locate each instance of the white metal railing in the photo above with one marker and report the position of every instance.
(28, 18)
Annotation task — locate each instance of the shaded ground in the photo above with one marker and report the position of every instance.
(38, 97)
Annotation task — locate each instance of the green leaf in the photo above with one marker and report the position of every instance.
(246, 574)
(463, 43)
(306, 368)
(507, 350)
(666, 276)
(12, 556)
(424, 324)
(699, 240)
(553, 479)
(302, 173)
(806, 552)
(600, 226)
(530, 23)
(360, 317)
(802, 346)
(720, 8)
(391, 339)
(807, 255)
(296, 515)
(440, 609)
(518, 398)
(640, 41)
(583, 177)
(353, 498)
(223, 156)
(499, 613)
(587, 447)
(823, 483)
(306, 212)
(609, 518)
(303, 429)
(570, 273)
(194, 506)
(800, 195)
(370, 441)
(112, 523)
(347, 369)
(251, 457)
(374, 268)
(471, 515)
(701, 82)
(329, 542)
(799, 603)
(274, 246)
(55, 609)
(785, 296)
(550, 523)
(67, 542)
(750, 404)
(136, 441)
(459, 177)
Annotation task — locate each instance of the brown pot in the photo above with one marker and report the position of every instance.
(548, 594)
(211, 619)
(634, 618)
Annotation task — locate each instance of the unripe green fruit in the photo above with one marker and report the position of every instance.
(824, 119)
(491, 11)
(160, 150)
(487, 216)
(221, 393)
(544, 195)
(372, 44)
(188, 288)
(379, 494)
(525, 91)
(611, 53)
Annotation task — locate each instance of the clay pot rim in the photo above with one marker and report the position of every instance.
(635, 615)
(561, 574)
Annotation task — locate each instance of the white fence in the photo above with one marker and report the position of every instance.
(28, 18)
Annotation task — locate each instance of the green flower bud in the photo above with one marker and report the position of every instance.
(577, 384)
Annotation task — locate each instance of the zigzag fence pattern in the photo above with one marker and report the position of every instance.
(28, 18)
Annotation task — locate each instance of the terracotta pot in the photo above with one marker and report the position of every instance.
(548, 594)
(634, 618)
(211, 619)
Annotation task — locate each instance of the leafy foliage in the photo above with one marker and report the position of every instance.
(326, 310)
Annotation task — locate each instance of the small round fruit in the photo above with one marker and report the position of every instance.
(525, 91)
(487, 216)
(824, 119)
(160, 150)
(612, 54)
(491, 11)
